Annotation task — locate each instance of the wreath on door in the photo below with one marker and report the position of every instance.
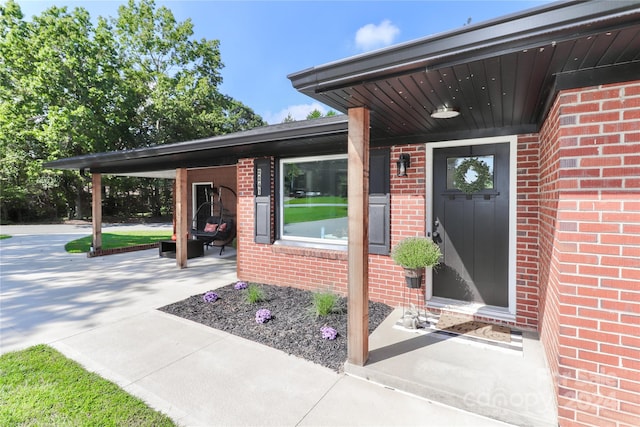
(482, 175)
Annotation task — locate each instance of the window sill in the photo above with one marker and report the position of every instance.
(324, 251)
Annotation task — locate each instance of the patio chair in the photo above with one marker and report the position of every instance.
(219, 229)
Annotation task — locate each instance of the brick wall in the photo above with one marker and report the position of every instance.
(221, 175)
(386, 280)
(528, 230)
(548, 314)
(590, 253)
(315, 269)
(322, 269)
(303, 268)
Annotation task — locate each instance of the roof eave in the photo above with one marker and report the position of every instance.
(529, 28)
(230, 144)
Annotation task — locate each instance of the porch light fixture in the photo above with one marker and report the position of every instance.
(403, 164)
(445, 113)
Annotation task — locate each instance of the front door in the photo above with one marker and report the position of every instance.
(471, 223)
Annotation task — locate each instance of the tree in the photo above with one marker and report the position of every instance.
(59, 98)
(68, 87)
(316, 114)
(176, 78)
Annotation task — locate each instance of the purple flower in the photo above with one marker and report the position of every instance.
(240, 285)
(328, 333)
(263, 315)
(210, 296)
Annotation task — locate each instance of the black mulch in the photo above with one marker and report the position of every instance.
(293, 327)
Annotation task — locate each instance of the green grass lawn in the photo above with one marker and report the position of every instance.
(295, 211)
(4, 236)
(41, 387)
(118, 240)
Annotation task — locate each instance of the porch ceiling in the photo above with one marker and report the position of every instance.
(501, 75)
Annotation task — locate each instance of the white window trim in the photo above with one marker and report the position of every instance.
(501, 313)
(303, 241)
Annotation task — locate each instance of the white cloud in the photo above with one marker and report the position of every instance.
(298, 112)
(373, 36)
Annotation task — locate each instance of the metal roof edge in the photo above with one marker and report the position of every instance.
(278, 132)
(550, 22)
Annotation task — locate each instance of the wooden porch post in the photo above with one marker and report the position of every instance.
(358, 276)
(173, 202)
(182, 231)
(96, 210)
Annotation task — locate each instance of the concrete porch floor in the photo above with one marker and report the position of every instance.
(510, 386)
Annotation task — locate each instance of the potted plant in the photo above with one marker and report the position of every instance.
(414, 254)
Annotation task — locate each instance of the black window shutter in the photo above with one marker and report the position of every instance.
(379, 202)
(262, 200)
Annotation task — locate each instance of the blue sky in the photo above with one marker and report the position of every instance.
(261, 42)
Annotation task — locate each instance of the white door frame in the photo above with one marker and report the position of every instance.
(501, 313)
(194, 202)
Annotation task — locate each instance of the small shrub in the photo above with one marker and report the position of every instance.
(416, 252)
(324, 303)
(255, 294)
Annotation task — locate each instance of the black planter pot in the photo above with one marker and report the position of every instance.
(413, 277)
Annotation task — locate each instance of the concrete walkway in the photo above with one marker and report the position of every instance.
(102, 313)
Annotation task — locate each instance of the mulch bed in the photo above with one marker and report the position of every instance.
(293, 328)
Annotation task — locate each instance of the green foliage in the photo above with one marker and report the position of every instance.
(4, 236)
(70, 86)
(288, 119)
(176, 77)
(40, 386)
(254, 294)
(416, 252)
(316, 114)
(118, 240)
(324, 303)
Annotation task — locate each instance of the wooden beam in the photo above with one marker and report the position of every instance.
(182, 222)
(173, 213)
(358, 276)
(96, 211)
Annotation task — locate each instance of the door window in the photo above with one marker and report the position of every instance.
(470, 174)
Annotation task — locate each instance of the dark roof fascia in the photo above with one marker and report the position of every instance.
(453, 136)
(258, 140)
(555, 22)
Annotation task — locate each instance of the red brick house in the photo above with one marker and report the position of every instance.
(532, 188)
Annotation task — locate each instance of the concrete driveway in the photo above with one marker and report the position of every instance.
(102, 313)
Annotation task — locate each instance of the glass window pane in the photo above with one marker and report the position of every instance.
(470, 170)
(314, 198)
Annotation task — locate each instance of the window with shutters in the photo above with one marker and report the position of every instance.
(313, 199)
